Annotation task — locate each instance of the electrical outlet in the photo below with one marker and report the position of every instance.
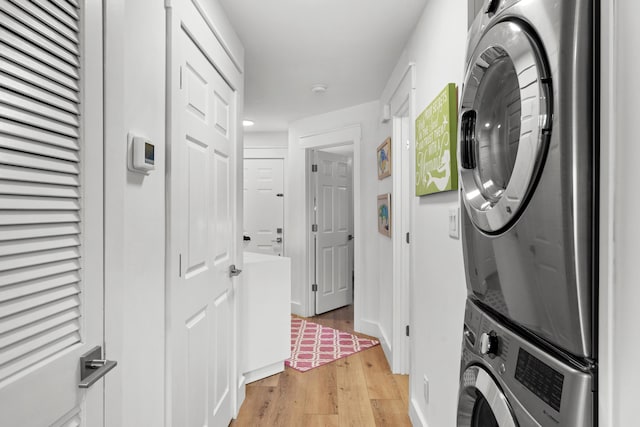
(454, 229)
(426, 389)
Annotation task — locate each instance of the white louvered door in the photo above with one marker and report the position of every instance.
(51, 227)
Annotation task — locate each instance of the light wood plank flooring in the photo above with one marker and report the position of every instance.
(358, 390)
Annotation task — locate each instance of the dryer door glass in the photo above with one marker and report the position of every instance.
(483, 415)
(505, 110)
(481, 402)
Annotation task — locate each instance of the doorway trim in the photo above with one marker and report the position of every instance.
(349, 135)
(402, 109)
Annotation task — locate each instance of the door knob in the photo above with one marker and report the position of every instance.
(246, 238)
(277, 240)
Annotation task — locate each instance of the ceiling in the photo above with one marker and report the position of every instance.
(351, 46)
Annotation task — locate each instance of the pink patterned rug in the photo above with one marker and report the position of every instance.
(314, 345)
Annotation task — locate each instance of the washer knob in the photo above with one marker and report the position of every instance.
(489, 344)
(492, 6)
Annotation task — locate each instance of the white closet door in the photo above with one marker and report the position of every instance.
(47, 308)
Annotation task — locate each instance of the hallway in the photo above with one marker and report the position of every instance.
(358, 390)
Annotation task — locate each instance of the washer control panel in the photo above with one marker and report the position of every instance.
(541, 379)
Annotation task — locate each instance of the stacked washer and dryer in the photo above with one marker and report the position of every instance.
(527, 153)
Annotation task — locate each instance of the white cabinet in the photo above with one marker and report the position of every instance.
(265, 315)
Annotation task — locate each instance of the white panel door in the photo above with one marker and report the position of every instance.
(51, 226)
(201, 321)
(264, 206)
(334, 262)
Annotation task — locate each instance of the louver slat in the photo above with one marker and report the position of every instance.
(69, 9)
(24, 274)
(41, 15)
(34, 245)
(36, 120)
(38, 107)
(40, 182)
(20, 144)
(37, 66)
(39, 40)
(38, 26)
(56, 13)
(16, 158)
(44, 190)
(17, 232)
(34, 51)
(25, 81)
(38, 217)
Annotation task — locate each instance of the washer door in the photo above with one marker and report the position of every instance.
(505, 120)
(481, 402)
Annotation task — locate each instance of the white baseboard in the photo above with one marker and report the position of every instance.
(265, 372)
(416, 416)
(297, 309)
(367, 327)
(241, 393)
(373, 328)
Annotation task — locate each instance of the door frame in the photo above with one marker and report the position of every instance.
(402, 108)
(279, 154)
(349, 135)
(94, 217)
(212, 36)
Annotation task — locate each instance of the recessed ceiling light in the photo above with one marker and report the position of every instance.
(247, 123)
(319, 88)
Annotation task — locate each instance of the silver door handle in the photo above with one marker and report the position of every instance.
(277, 240)
(233, 271)
(93, 367)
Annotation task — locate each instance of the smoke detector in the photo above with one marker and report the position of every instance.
(319, 88)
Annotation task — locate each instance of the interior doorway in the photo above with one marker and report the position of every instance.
(332, 229)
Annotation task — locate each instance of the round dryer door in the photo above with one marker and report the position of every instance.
(505, 120)
(481, 402)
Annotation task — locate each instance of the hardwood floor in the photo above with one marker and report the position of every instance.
(358, 390)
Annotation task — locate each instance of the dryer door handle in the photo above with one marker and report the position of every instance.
(468, 139)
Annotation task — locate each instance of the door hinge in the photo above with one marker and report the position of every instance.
(314, 168)
(314, 228)
(233, 271)
(408, 238)
(180, 77)
(314, 288)
(179, 265)
(407, 330)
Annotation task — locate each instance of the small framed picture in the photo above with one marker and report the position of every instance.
(384, 159)
(384, 214)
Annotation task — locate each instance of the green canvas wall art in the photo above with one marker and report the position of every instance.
(436, 140)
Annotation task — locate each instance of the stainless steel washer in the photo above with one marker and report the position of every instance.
(508, 382)
(526, 151)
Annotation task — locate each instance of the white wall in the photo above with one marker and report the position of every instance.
(266, 140)
(384, 257)
(620, 233)
(438, 292)
(296, 189)
(134, 213)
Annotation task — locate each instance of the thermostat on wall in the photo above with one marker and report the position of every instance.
(142, 155)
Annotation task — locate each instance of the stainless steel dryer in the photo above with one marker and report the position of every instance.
(508, 382)
(526, 153)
